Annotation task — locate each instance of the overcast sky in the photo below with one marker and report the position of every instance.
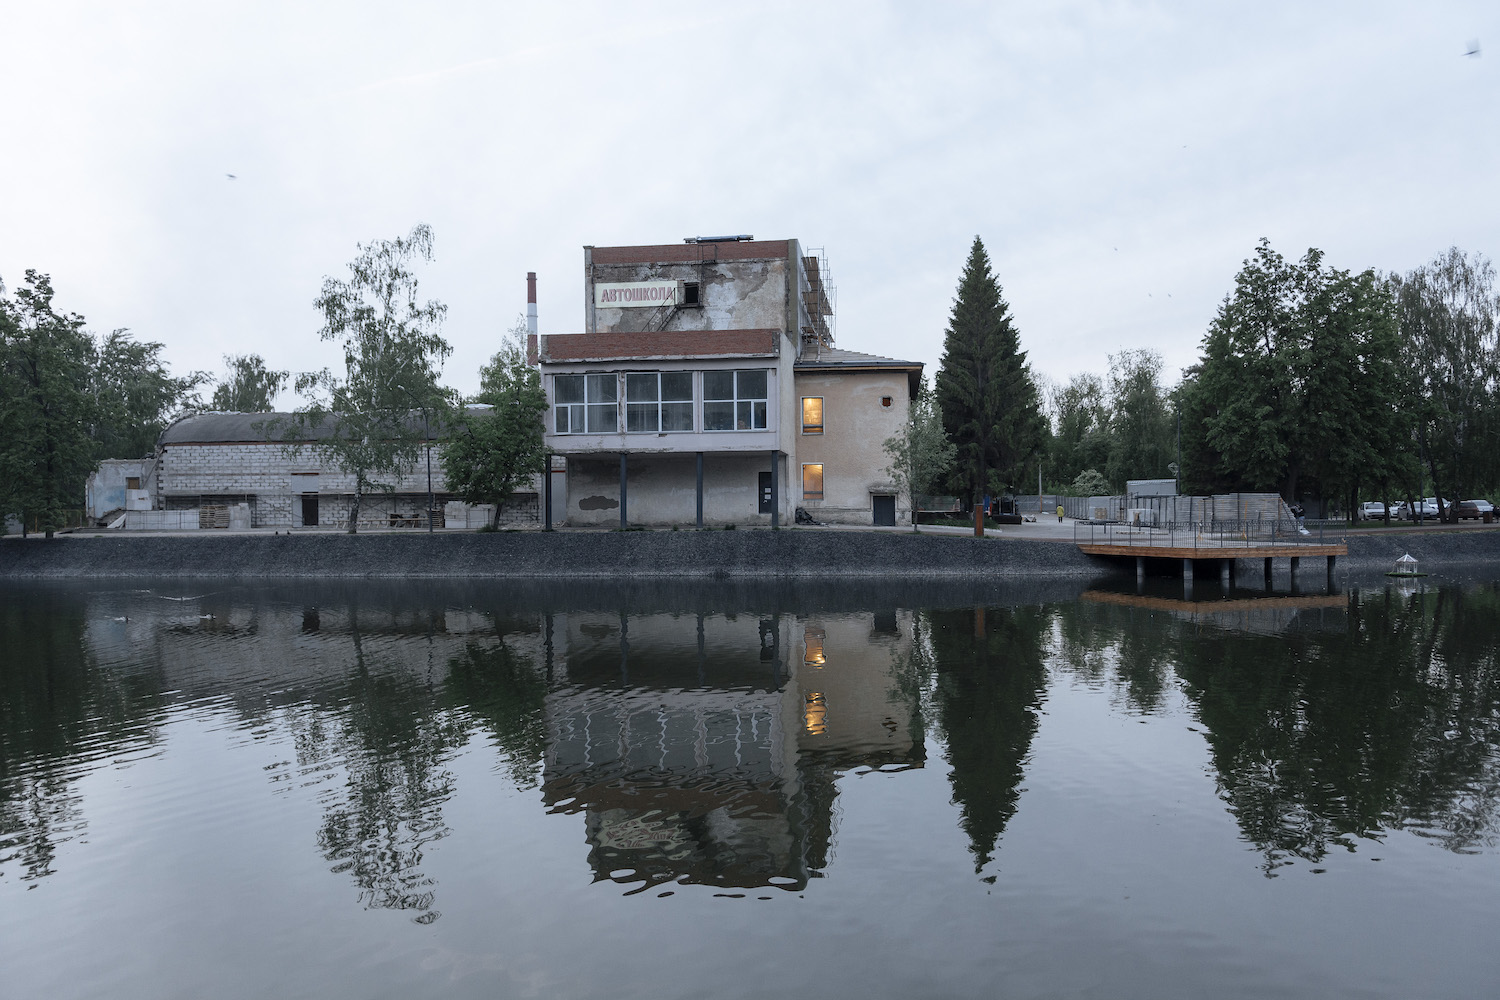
(1119, 160)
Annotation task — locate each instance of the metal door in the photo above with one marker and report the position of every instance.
(885, 511)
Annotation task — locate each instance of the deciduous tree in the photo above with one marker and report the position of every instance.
(1448, 312)
(46, 407)
(493, 451)
(1298, 380)
(921, 455)
(393, 355)
(1082, 439)
(249, 386)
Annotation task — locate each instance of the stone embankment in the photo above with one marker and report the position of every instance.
(536, 555)
(648, 555)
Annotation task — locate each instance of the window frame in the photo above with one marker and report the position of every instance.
(738, 401)
(659, 403)
(806, 493)
(588, 405)
(808, 428)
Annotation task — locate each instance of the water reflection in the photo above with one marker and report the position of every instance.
(704, 749)
(1329, 721)
(989, 673)
(703, 738)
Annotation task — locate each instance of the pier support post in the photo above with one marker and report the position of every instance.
(623, 522)
(1268, 572)
(1224, 570)
(1187, 579)
(1140, 572)
(1330, 571)
(1294, 562)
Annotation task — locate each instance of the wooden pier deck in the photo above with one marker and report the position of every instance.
(1213, 550)
(1224, 551)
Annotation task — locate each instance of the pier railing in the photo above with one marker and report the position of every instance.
(1216, 534)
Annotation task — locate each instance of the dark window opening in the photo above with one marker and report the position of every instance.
(690, 293)
(885, 401)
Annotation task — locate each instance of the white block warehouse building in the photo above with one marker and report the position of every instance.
(229, 459)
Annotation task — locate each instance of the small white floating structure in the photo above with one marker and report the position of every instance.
(1405, 566)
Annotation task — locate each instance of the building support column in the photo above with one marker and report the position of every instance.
(775, 491)
(547, 496)
(624, 522)
(700, 489)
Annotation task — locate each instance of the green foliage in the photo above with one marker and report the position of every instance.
(1299, 380)
(494, 451)
(135, 395)
(1082, 439)
(985, 393)
(392, 356)
(921, 455)
(1091, 483)
(250, 387)
(1448, 312)
(1140, 441)
(47, 404)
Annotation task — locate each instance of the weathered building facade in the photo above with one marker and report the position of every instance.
(229, 459)
(706, 390)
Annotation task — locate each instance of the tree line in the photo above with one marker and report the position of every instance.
(1323, 385)
(69, 399)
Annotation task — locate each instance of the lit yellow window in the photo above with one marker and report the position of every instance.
(812, 414)
(812, 482)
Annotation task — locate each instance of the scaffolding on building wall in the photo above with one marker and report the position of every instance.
(818, 299)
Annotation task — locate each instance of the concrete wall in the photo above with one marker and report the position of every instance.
(735, 294)
(105, 491)
(240, 468)
(851, 447)
(662, 489)
(667, 556)
(273, 483)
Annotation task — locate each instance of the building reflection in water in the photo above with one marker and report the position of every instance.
(705, 749)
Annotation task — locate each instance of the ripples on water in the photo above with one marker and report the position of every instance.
(1132, 775)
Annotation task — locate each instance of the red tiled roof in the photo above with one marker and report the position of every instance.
(572, 347)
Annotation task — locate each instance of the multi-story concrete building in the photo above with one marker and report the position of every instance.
(706, 390)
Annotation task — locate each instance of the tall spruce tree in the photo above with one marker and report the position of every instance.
(990, 406)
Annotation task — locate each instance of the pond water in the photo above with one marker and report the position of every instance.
(489, 791)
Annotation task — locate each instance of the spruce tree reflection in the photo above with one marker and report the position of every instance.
(1321, 740)
(990, 675)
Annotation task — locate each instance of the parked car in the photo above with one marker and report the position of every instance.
(1472, 509)
(1373, 510)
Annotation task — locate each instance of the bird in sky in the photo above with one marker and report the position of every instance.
(1473, 48)
(230, 176)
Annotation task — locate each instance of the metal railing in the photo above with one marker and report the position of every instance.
(1235, 534)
